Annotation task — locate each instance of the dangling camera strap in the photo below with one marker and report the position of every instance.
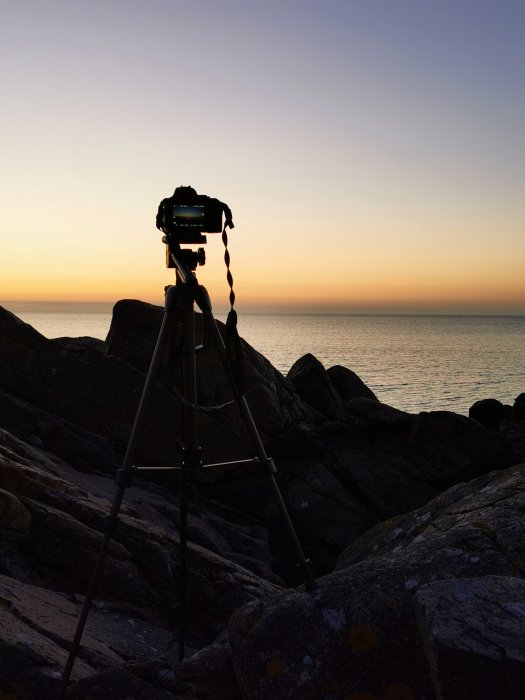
(233, 342)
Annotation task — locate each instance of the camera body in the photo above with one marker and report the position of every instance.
(186, 215)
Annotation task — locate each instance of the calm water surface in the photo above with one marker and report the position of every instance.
(415, 363)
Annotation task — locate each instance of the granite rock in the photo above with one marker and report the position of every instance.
(362, 484)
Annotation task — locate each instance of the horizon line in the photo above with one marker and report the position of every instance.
(459, 309)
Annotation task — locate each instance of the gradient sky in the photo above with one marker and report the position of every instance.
(372, 152)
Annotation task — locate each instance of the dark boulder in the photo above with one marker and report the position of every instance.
(489, 412)
(312, 383)
(518, 409)
(348, 385)
(509, 421)
(133, 332)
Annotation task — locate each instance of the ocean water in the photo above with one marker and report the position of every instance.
(415, 363)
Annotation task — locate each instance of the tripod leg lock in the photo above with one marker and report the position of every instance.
(268, 465)
(192, 457)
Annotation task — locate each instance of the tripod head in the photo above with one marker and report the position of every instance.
(177, 256)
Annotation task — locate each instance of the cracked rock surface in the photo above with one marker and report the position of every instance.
(388, 622)
(473, 632)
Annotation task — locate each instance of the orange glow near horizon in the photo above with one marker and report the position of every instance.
(384, 173)
(315, 295)
(301, 275)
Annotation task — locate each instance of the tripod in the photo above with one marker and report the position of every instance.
(179, 302)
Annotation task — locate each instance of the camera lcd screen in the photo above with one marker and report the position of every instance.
(189, 215)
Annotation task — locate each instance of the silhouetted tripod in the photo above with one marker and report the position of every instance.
(179, 303)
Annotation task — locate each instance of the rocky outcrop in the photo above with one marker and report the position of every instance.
(329, 392)
(66, 408)
(420, 607)
(313, 385)
(274, 404)
(490, 412)
(518, 409)
(508, 421)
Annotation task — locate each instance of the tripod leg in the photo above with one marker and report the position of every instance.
(204, 303)
(191, 460)
(124, 479)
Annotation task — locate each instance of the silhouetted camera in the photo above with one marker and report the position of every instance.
(186, 215)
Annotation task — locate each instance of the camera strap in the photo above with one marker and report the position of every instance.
(234, 359)
(176, 354)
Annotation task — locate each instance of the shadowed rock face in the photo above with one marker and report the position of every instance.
(473, 633)
(382, 620)
(66, 410)
(490, 412)
(327, 391)
(420, 607)
(341, 471)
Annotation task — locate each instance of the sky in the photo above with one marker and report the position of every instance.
(372, 152)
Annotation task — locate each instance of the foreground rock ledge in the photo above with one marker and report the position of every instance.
(422, 606)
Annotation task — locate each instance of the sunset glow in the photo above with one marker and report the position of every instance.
(373, 154)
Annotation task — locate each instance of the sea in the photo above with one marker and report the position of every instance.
(413, 362)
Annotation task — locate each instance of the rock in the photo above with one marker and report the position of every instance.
(363, 632)
(121, 683)
(35, 625)
(82, 345)
(209, 673)
(65, 416)
(348, 385)
(369, 464)
(85, 450)
(66, 522)
(507, 420)
(358, 634)
(313, 385)
(518, 409)
(133, 332)
(15, 526)
(97, 395)
(473, 631)
(369, 417)
(414, 460)
(206, 674)
(514, 432)
(274, 404)
(479, 515)
(489, 412)
(14, 517)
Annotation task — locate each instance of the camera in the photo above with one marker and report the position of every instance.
(186, 215)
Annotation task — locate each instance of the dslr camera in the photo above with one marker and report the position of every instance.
(186, 215)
